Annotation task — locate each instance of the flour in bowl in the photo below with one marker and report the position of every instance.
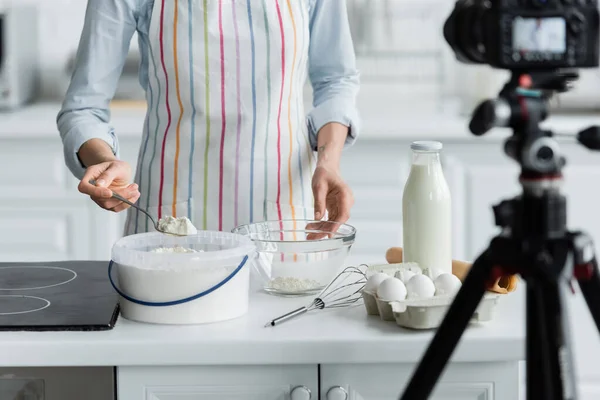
(293, 285)
(174, 249)
(177, 226)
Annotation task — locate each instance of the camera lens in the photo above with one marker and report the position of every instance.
(464, 31)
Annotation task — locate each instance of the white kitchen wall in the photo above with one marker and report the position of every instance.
(60, 25)
(396, 68)
(398, 41)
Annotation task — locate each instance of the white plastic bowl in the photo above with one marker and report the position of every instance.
(153, 286)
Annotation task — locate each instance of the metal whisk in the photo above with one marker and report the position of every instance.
(343, 291)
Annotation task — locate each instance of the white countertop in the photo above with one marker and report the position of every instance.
(328, 336)
(39, 120)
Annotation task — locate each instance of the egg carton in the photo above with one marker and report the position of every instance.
(420, 313)
(392, 269)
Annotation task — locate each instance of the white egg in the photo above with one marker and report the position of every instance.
(374, 281)
(404, 275)
(392, 289)
(446, 284)
(420, 287)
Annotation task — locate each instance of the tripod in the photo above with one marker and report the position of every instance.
(534, 242)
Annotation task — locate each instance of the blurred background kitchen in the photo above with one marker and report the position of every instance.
(412, 88)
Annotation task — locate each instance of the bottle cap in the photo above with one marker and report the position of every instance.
(426, 145)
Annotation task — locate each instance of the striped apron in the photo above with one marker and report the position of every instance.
(225, 138)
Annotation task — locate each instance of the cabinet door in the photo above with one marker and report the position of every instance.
(217, 383)
(468, 381)
(44, 229)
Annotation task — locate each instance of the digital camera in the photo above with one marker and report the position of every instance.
(525, 34)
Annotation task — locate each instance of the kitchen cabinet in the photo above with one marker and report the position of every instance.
(219, 383)
(464, 381)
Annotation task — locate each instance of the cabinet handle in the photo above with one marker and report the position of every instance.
(337, 393)
(300, 393)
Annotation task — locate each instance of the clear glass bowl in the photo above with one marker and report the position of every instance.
(299, 257)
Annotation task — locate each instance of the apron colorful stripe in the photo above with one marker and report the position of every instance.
(207, 108)
(149, 187)
(193, 103)
(167, 106)
(239, 113)
(304, 134)
(299, 119)
(144, 149)
(251, 25)
(181, 110)
(268, 46)
(279, 111)
(291, 131)
(223, 120)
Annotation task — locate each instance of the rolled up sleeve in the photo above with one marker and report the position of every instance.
(332, 70)
(85, 114)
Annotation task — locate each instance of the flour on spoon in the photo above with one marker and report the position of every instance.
(177, 226)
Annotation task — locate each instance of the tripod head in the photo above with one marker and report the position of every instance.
(522, 105)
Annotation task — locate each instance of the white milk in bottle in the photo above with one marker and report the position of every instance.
(426, 211)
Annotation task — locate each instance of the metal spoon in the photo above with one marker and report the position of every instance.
(124, 200)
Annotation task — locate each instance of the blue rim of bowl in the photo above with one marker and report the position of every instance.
(350, 237)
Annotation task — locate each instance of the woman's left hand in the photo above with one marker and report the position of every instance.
(331, 194)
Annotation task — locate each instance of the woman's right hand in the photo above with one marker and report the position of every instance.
(110, 176)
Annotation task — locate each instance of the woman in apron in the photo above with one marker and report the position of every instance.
(226, 140)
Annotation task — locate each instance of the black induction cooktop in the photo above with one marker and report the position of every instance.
(57, 296)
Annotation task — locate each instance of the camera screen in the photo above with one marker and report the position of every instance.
(539, 35)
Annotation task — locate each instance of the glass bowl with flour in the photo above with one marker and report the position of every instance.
(299, 257)
(156, 272)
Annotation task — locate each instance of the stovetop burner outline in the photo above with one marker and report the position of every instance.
(27, 311)
(40, 287)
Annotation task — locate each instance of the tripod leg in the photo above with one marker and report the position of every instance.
(550, 372)
(450, 331)
(536, 345)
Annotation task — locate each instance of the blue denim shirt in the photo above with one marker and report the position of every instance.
(108, 29)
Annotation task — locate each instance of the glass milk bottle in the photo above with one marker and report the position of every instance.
(426, 212)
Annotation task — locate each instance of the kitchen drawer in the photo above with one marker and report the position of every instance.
(44, 230)
(34, 168)
(273, 382)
